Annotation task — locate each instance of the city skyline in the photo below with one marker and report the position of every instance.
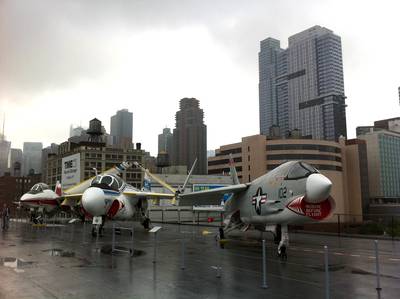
(95, 60)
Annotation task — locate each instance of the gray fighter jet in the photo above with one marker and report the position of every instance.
(293, 193)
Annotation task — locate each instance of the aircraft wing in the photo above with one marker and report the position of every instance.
(148, 194)
(210, 197)
(71, 199)
(82, 186)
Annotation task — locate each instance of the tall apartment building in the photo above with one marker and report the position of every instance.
(302, 87)
(121, 129)
(32, 158)
(190, 136)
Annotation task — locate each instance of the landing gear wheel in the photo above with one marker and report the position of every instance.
(146, 223)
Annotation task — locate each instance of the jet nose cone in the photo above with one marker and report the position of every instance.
(93, 201)
(318, 188)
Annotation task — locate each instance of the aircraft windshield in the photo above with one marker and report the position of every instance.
(300, 170)
(107, 182)
(37, 188)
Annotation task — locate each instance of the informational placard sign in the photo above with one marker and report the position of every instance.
(70, 171)
(155, 229)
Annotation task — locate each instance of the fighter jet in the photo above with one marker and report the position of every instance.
(110, 197)
(293, 193)
(41, 200)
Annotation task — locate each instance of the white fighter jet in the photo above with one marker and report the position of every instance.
(293, 193)
(109, 197)
(41, 200)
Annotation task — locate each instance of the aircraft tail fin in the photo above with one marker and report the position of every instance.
(146, 183)
(234, 175)
(58, 189)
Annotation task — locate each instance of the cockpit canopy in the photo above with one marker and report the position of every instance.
(39, 187)
(300, 170)
(108, 181)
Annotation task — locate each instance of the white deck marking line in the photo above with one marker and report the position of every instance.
(372, 257)
(395, 260)
(338, 253)
(355, 255)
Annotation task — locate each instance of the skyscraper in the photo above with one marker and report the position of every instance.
(121, 128)
(16, 162)
(4, 152)
(165, 141)
(190, 136)
(302, 87)
(32, 157)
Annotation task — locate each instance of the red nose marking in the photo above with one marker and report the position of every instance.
(316, 211)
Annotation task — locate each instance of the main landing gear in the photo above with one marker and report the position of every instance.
(146, 223)
(283, 236)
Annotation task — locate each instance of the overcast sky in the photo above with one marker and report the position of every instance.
(66, 62)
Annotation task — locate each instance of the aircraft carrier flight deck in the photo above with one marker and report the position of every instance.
(185, 261)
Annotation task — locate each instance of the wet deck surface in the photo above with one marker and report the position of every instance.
(66, 262)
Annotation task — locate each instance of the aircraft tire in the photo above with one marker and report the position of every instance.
(146, 223)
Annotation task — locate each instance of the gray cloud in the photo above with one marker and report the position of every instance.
(52, 44)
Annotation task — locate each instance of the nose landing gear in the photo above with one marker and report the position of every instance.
(98, 226)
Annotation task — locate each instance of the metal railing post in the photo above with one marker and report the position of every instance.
(392, 228)
(113, 239)
(326, 272)
(378, 274)
(264, 261)
(155, 248)
(133, 239)
(183, 253)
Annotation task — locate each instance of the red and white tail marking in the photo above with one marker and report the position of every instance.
(58, 190)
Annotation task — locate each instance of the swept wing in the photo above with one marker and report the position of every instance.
(210, 197)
